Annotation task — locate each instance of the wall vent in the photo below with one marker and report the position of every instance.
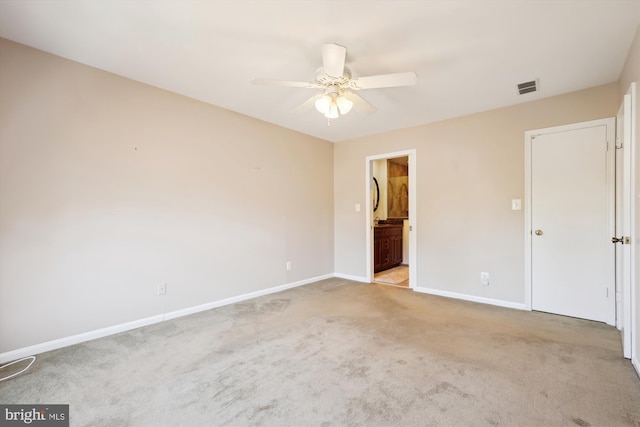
(528, 87)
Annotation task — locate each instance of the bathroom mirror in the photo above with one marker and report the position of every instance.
(376, 194)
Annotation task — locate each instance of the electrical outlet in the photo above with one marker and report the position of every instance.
(162, 289)
(484, 278)
(288, 265)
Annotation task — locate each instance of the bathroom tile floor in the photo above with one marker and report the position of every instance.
(397, 276)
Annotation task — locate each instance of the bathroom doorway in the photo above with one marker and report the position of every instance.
(391, 242)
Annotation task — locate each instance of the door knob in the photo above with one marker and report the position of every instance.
(538, 232)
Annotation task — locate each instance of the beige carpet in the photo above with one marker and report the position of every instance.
(393, 276)
(339, 353)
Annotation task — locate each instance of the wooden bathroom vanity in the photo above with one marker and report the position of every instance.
(387, 246)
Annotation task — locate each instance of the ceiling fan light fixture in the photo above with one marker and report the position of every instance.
(344, 105)
(333, 106)
(333, 111)
(323, 104)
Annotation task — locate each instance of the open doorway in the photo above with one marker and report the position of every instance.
(391, 233)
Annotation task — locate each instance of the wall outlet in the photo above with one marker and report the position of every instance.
(484, 278)
(288, 265)
(162, 289)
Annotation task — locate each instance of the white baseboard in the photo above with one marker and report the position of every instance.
(244, 297)
(636, 364)
(491, 301)
(77, 339)
(350, 277)
(111, 330)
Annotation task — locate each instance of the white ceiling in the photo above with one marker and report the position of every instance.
(468, 55)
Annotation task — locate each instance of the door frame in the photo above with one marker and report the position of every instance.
(634, 288)
(528, 137)
(625, 223)
(413, 243)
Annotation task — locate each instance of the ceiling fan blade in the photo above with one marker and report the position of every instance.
(274, 82)
(385, 80)
(308, 104)
(333, 57)
(359, 103)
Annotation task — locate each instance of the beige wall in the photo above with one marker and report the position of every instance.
(630, 74)
(631, 71)
(109, 187)
(468, 170)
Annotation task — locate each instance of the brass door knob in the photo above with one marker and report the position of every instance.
(538, 232)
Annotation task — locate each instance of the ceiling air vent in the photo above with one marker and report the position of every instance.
(528, 87)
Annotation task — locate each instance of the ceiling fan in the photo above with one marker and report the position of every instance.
(337, 87)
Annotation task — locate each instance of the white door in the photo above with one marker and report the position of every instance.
(571, 219)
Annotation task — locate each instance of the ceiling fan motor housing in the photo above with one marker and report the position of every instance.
(326, 81)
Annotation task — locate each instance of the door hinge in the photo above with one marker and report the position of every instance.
(618, 144)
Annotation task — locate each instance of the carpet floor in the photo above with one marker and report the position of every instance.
(336, 353)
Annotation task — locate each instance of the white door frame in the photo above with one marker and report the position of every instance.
(528, 136)
(634, 288)
(625, 225)
(413, 243)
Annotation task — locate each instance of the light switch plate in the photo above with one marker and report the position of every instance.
(516, 204)
(484, 278)
(357, 207)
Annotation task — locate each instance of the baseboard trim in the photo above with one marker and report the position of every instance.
(473, 298)
(123, 327)
(77, 339)
(350, 277)
(243, 297)
(636, 364)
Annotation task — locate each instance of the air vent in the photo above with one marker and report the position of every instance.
(528, 87)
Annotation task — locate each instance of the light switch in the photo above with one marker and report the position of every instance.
(484, 278)
(516, 204)
(357, 207)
